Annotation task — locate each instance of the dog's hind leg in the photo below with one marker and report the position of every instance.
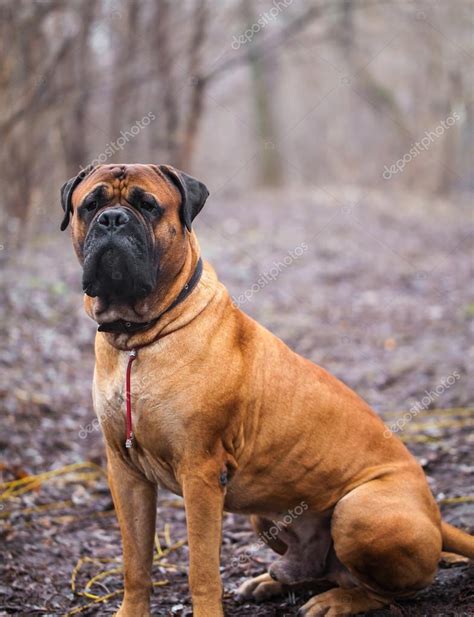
(340, 602)
(259, 588)
(388, 542)
(304, 547)
(269, 533)
(264, 586)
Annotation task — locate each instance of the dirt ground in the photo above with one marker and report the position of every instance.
(375, 288)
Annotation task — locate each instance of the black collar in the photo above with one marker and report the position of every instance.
(120, 326)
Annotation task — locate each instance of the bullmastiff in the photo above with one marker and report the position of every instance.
(223, 413)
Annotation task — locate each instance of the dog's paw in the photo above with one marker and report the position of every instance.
(130, 611)
(258, 589)
(339, 603)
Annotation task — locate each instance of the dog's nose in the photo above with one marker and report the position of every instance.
(113, 218)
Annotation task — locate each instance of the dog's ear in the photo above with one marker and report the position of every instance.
(66, 195)
(67, 190)
(193, 193)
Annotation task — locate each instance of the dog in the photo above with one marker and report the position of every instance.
(227, 416)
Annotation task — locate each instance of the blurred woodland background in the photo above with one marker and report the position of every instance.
(243, 93)
(335, 137)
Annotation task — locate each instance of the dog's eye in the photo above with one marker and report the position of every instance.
(92, 205)
(146, 205)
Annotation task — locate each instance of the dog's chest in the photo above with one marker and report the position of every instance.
(157, 422)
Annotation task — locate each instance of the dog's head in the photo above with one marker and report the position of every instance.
(129, 226)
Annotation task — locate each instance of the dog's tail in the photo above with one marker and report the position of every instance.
(457, 541)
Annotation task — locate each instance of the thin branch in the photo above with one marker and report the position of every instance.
(35, 96)
(294, 27)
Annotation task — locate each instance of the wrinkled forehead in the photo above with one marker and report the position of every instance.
(121, 179)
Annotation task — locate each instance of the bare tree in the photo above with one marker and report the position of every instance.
(125, 31)
(73, 122)
(197, 85)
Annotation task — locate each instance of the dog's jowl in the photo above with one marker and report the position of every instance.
(222, 412)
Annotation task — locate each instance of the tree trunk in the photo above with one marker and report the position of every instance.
(198, 84)
(264, 76)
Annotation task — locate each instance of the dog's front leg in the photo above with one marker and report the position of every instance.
(204, 502)
(135, 503)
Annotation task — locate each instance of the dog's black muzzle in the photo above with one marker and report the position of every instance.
(118, 256)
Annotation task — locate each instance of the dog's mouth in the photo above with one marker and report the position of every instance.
(111, 272)
(117, 268)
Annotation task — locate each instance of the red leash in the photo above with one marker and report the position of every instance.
(128, 400)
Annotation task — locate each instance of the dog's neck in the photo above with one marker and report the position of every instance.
(158, 312)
